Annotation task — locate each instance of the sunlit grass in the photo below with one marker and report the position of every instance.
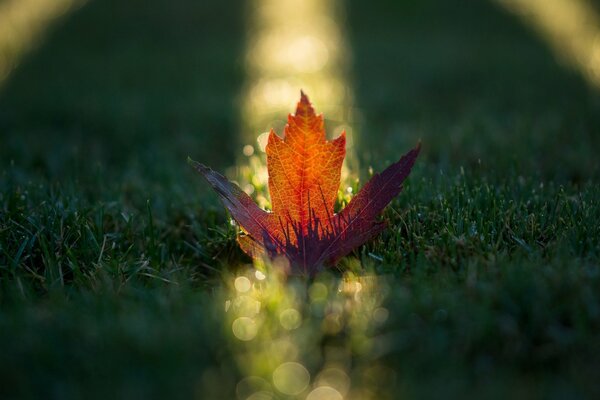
(571, 27)
(301, 339)
(22, 25)
(298, 339)
(292, 45)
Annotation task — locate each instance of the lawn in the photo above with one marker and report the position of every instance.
(116, 258)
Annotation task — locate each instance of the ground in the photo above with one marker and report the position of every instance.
(112, 250)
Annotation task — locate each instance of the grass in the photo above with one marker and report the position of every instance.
(113, 252)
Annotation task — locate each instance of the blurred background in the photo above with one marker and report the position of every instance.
(113, 251)
(103, 84)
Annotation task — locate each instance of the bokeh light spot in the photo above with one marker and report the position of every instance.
(324, 393)
(242, 284)
(334, 378)
(251, 386)
(290, 319)
(318, 292)
(245, 306)
(262, 395)
(260, 275)
(248, 150)
(291, 378)
(244, 328)
(380, 315)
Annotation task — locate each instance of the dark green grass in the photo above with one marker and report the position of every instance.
(111, 248)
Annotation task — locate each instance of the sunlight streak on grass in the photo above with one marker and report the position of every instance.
(299, 339)
(572, 27)
(22, 24)
(292, 45)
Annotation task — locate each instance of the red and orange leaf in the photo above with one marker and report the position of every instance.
(358, 220)
(304, 168)
(304, 177)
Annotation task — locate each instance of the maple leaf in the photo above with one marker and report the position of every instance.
(304, 176)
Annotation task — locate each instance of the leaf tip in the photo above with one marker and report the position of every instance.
(417, 149)
(198, 166)
(304, 106)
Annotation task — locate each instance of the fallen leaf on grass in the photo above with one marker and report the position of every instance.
(304, 177)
